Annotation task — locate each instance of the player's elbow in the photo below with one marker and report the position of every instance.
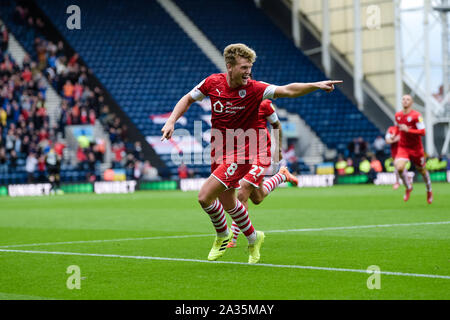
(276, 125)
(284, 92)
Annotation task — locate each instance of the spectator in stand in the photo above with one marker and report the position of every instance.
(3, 161)
(137, 172)
(92, 117)
(4, 37)
(68, 89)
(81, 159)
(91, 176)
(349, 169)
(340, 165)
(138, 152)
(183, 172)
(30, 166)
(129, 165)
(375, 164)
(364, 165)
(83, 140)
(99, 149)
(291, 159)
(360, 147)
(3, 117)
(118, 150)
(375, 167)
(12, 164)
(378, 146)
(149, 173)
(59, 148)
(41, 168)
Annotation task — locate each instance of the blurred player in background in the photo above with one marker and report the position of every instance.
(253, 185)
(392, 138)
(412, 129)
(53, 163)
(235, 100)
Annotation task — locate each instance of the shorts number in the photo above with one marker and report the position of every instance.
(254, 169)
(232, 169)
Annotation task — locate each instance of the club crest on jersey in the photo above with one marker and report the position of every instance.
(409, 119)
(242, 93)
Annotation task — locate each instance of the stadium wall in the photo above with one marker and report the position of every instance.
(130, 186)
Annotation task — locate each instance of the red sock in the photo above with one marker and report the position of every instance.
(273, 182)
(218, 219)
(240, 216)
(236, 231)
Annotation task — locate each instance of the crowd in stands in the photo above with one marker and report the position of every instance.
(24, 122)
(25, 133)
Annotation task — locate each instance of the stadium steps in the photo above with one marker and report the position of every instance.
(312, 149)
(194, 33)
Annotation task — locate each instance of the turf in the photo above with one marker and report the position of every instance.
(416, 249)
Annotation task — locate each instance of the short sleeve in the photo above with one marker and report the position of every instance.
(199, 92)
(266, 89)
(272, 118)
(419, 124)
(269, 92)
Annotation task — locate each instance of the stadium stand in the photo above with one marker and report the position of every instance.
(146, 62)
(25, 104)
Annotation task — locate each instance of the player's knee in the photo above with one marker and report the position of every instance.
(241, 196)
(257, 199)
(400, 167)
(204, 200)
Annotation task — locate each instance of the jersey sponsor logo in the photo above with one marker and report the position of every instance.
(218, 106)
(242, 93)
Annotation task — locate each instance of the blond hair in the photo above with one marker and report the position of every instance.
(238, 49)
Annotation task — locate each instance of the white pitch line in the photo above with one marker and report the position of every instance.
(210, 235)
(436, 276)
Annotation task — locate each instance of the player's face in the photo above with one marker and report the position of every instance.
(240, 72)
(407, 101)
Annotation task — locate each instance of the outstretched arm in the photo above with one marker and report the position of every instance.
(297, 89)
(180, 108)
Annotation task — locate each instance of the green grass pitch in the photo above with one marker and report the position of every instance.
(153, 245)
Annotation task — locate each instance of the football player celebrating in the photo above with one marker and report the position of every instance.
(235, 101)
(412, 129)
